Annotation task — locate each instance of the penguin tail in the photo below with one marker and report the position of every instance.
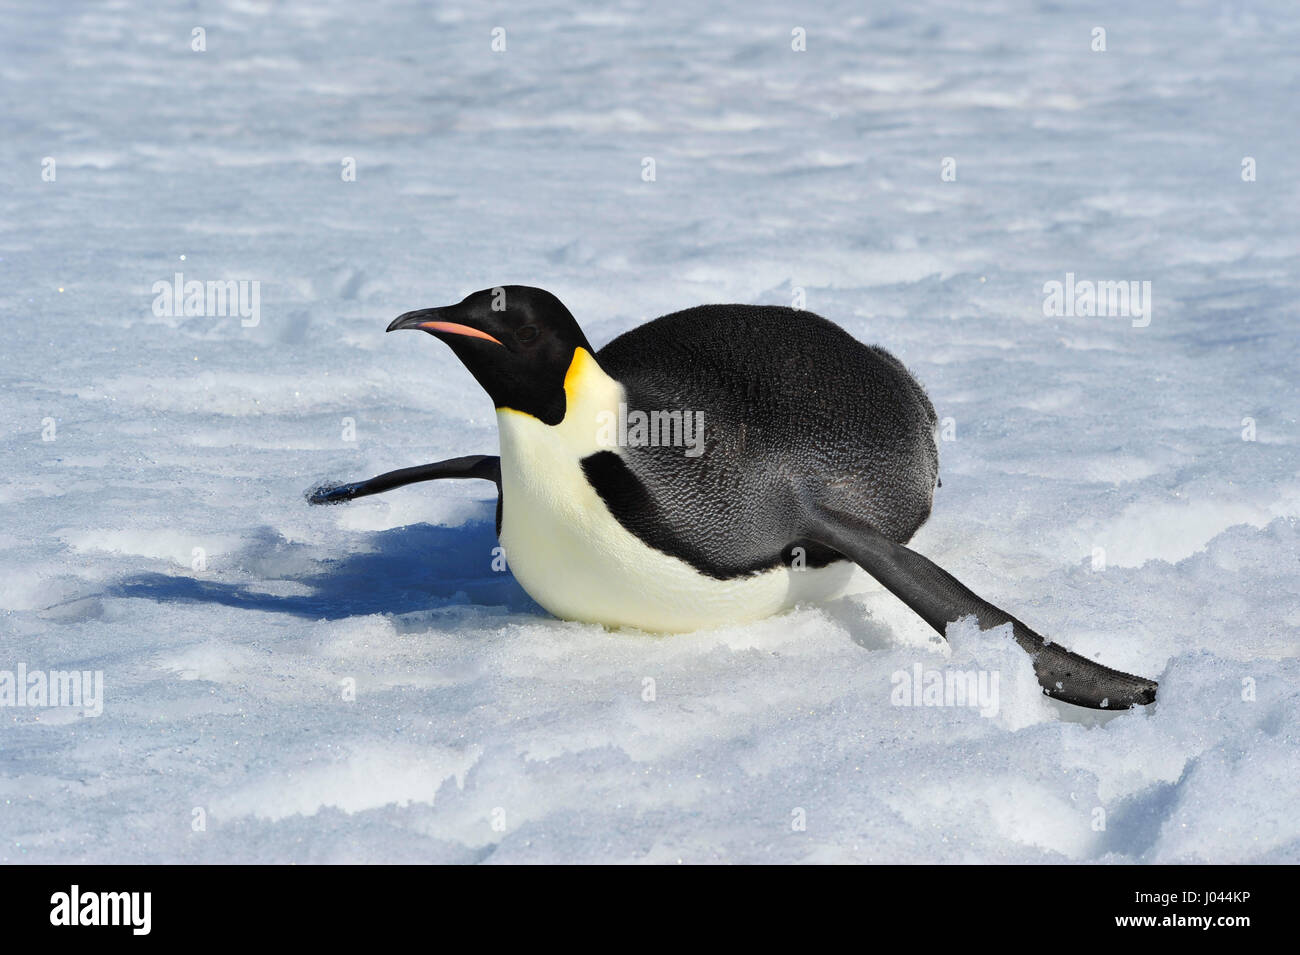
(486, 467)
(939, 599)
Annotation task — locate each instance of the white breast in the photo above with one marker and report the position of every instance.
(573, 557)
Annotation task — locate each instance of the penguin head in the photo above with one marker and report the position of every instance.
(518, 343)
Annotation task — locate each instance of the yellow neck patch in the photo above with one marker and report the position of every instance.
(580, 371)
(586, 387)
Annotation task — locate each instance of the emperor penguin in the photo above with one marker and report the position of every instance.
(712, 466)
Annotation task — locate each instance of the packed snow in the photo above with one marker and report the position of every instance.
(284, 683)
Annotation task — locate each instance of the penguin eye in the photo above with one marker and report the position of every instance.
(526, 333)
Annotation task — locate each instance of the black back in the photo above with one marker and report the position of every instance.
(795, 409)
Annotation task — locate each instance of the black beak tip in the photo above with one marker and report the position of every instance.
(405, 320)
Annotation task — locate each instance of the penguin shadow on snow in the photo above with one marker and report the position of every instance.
(1134, 825)
(400, 570)
(866, 632)
(417, 567)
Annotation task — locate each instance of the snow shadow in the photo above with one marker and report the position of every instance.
(400, 570)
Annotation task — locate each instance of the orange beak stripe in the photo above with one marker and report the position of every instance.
(452, 328)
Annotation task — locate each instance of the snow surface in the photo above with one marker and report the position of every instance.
(775, 170)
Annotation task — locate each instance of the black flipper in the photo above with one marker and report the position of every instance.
(486, 467)
(939, 599)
